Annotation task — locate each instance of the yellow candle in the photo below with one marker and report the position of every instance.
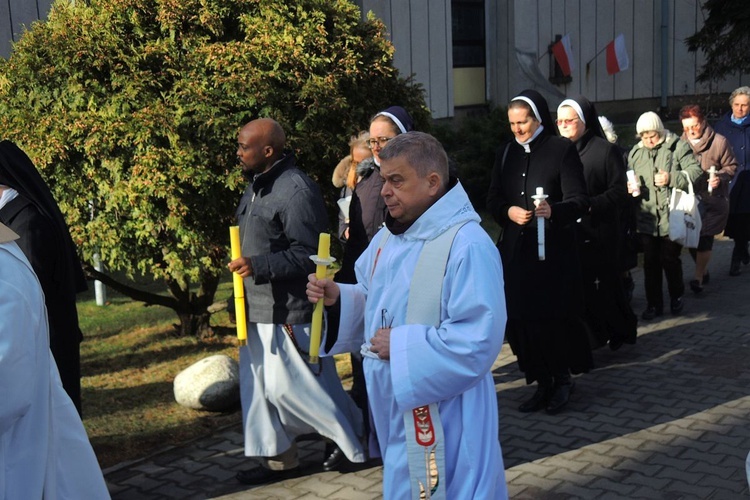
(324, 246)
(239, 289)
(321, 270)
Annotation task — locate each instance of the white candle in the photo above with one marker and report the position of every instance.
(711, 176)
(538, 198)
(631, 179)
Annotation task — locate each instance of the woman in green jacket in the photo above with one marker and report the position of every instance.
(657, 160)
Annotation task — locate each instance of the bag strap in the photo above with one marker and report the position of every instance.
(690, 183)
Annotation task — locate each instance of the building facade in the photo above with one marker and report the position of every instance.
(440, 43)
(469, 53)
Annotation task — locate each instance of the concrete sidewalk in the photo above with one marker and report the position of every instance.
(668, 418)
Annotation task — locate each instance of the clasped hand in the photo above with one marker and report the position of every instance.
(522, 217)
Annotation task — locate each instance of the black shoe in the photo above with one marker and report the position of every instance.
(696, 286)
(676, 305)
(334, 459)
(538, 401)
(706, 278)
(651, 312)
(261, 475)
(734, 268)
(615, 344)
(560, 397)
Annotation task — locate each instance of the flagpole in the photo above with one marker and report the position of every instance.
(597, 54)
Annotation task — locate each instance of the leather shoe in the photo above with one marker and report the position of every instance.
(696, 286)
(651, 312)
(335, 458)
(261, 475)
(734, 268)
(615, 344)
(676, 305)
(538, 401)
(560, 398)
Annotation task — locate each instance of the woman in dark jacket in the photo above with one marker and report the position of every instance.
(608, 313)
(735, 126)
(366, 216)
(543, 297)
(28, 208)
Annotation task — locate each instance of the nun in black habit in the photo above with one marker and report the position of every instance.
(28, 208)
(608, 314)
(543, 297)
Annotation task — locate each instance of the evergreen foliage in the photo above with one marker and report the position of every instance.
(724, 39)
(130, 109)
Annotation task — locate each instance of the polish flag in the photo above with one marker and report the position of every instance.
(617, 55)
(564, 55)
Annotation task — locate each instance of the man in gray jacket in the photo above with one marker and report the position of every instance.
(281, 216)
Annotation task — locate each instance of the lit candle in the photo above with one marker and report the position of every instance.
(322, 261)
(239, 289)
(538, 197)
(711, 177)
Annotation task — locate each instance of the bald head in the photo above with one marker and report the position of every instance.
(259, 145)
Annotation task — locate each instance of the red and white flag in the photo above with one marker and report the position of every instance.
(564, 55)
(617, 55)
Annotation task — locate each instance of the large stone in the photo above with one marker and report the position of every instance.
(211, 384)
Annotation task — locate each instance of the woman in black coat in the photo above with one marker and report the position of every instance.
(544, 297)
(608, 313)
(28, 208)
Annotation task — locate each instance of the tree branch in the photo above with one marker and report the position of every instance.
(149, 298)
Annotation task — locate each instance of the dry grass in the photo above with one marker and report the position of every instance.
(129, 359)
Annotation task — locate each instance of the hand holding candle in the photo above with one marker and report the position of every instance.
(322, 261)
(538, 198)
(711, 177)
(239, 289)
(633, 183)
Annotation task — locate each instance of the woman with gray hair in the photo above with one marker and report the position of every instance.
(735, 126)
(657, 161)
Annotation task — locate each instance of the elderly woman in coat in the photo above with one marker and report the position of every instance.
(600, 241)
(735, 126)
(711, 150)
(658, 161)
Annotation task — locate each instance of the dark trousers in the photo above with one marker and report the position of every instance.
(740, 253)
(661, 254)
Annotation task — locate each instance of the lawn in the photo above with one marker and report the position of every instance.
(129, 359)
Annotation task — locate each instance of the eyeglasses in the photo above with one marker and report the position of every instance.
(379, 141)
(568, 121)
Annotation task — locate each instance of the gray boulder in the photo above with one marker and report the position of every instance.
(211, 384)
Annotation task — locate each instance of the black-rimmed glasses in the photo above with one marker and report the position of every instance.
(378, 141)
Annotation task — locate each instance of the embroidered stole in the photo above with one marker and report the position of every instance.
(425, 443)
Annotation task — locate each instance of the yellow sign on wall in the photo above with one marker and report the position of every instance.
(469, 87)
